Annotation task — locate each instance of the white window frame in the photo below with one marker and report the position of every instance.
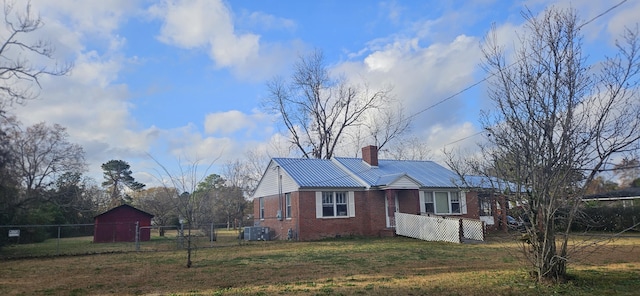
(339, 201)
(453, 197)
(287, 205)
(261, 201)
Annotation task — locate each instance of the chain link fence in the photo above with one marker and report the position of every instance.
(30, 241)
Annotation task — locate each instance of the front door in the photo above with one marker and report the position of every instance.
(391, 210)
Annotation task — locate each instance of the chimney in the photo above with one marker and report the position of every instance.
(370, 155)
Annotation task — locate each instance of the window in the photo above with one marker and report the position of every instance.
(442, 202)
(287, 200)
(327, 204)
(335, 204)
(261, 208)
(455, 202)
(341, 203)
(485, 204)
(428, 204)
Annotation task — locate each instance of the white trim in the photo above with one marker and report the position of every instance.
(352, 204)
(351, 207)
(386, 211)
(403, 182)
(611, 198)
(318, 204)
(463, 202)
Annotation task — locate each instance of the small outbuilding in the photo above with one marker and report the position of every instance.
(121, 224)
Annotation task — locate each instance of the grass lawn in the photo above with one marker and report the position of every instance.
(348, 266)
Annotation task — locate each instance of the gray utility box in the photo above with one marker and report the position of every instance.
(256, 233)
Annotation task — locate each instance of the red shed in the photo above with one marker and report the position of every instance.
(119, 225)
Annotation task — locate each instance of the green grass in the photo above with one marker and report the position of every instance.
(84, 245)
(350, 266)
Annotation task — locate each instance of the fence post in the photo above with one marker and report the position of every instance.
(137, 236)
(460, 231)
(58, 242)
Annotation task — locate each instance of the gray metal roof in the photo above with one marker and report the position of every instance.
(428, 173)
(308, 172)
(388, 179)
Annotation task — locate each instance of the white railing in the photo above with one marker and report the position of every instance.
(438, 228)
(472, 229)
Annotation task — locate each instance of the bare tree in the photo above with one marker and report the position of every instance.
(160, 202)
(317, 109)
(41, 154)
(188, 200)
(556, 125)
(627, 170)
(409, 148)
(387, 125)
(19, 72)
(245, 174)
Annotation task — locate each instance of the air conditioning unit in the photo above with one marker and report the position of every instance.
(257, 233)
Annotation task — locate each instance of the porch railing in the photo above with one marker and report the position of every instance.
(438, 228)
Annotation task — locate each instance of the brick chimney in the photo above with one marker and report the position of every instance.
(370, 155)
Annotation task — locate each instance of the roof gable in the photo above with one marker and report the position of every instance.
(311, 173)
(124, 207)
(398, 181)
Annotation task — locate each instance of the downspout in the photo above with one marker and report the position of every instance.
(279, 213)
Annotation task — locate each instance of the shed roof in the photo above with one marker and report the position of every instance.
(122, 207)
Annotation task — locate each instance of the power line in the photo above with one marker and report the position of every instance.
(601, 14)
(462, 91)
(490, 75)
(467, 137)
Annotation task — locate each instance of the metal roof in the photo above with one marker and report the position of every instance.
(309, 172)
(428, 173)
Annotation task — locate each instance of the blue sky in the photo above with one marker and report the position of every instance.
(185, 79)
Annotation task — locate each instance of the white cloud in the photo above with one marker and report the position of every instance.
(209, 26)
(232, 121)
(265, 21)
(421, 76)
(203, 23)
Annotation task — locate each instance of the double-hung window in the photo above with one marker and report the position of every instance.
(335, 204)
(287, 202)
(454, 197)
(328, 204)
(262, 208)
(485, 201)
(441, 202)
(428, 203)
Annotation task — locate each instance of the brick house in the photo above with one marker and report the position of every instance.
(309, 199)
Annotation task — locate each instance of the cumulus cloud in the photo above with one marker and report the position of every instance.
(229, 122)
(210, 26)
(420, 76)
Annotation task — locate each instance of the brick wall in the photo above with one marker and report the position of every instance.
(473, 207)
(369, 220)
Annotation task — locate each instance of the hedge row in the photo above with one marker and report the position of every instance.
(608, 218)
